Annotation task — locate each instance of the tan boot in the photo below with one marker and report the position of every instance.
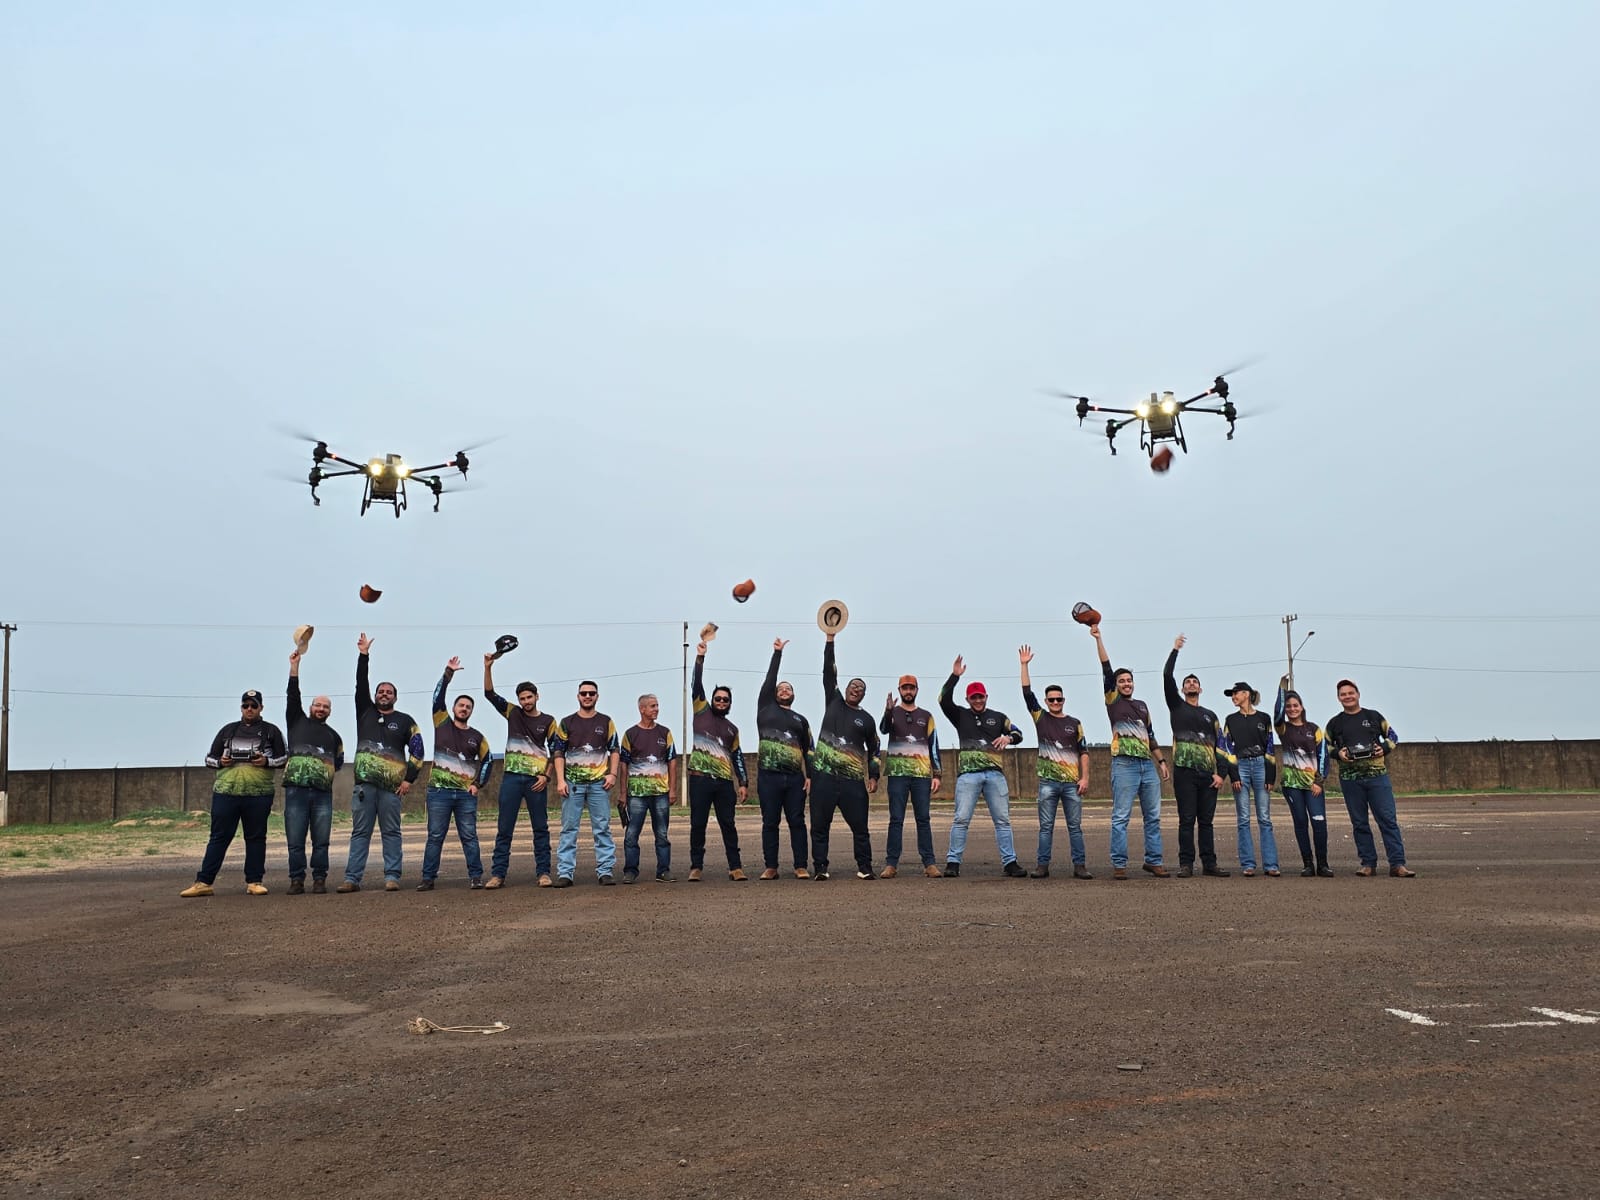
(888, 872)
(494, 882)
(694, 874)
(932, 872)
(196, 889)
(738, 875)
(545, 881)
(256, 889)
(769, 873)
(801, 873)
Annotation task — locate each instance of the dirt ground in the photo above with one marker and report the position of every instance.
(1438, 1036)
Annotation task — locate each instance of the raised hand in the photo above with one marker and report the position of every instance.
(959, 668)
(1025, 654)
(488, 661)
(454, 664)
(700, 650)
(1179, 641)
(363, 643)
(779, 643)
(1094, 632)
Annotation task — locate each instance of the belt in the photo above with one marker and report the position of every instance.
(1263, 754)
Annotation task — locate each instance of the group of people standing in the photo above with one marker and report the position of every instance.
(587, 762)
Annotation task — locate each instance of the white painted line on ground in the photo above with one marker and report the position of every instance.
(1571, 1017)
(1414, 1018)
(1517, 1025)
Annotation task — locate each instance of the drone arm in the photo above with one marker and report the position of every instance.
(444, 466)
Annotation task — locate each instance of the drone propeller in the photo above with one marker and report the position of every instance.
(1241, 366)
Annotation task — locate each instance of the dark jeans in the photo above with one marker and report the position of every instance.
(443, 803)
(1360, 796)
(515, 790)
(1310, 823)
(704, 794)
(920, 793)
(782, 794)
(1197, 801)
(659, 809)
(306, 810)
(849, 796)
(227, 814)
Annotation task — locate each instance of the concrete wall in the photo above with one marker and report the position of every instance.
(69, 796)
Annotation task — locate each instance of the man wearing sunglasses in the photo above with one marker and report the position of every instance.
(587, 754)
(1063, 771)
(243, 754)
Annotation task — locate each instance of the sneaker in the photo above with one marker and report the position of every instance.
(820, 876)
(1185, 871)
(476, 883)
(889, 872)
(738, 875)
(319, 886)
(1402, 872)
(1079, 871)
(563, 881)
(495, 882)
(1014, 870)
(391, 885)
(1273, 873)
(1217, 872)
(297, 887)
(347, 887)
(952, 870)
(1042, 871)
(666, 877)
(769, 873)
(196, 889)
(865, 875)
(425, 886)
(607, 881)
(546, 881)
(932, 872)
(694, 874)
(630, 877)
(255, 889)
(801, 873)
(1248, 872)
(1158, 870)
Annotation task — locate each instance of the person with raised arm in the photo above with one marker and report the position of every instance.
(524, 776)
(1062, 771)
(1137, 767)
(844, 768)
(783, 760)
(1201, 760)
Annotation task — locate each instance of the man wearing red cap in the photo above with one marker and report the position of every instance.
(912, 764)
(981, 732)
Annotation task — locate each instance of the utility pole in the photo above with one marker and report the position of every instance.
(1288, 641)
(5, 726)
(684, 731)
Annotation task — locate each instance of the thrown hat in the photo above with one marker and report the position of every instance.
(504, 644)
(905, 679)
(976, 689)
(251, 697)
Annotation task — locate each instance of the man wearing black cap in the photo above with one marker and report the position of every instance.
(316, 752)
(1200, 758)
(243, 753)
(1250, 735)
(981, 733)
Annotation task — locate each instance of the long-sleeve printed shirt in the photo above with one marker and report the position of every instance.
(1132, 734)
(316, 751)
(1199, 742)
(585, 745)
(1061, 741)
(1304, 749)
(975, 732)
(1251, 737)
(388, 745)
(460, 756)
(1359, 732)
(847, 745)
(785, 736)
(241, 741)
(647, 753)
(716, 753)
(913, 747)
(527, 738)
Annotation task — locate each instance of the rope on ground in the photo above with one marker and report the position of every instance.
(423, 1025)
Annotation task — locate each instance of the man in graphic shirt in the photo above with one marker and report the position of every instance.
(388, 761)
(715, 763)
(316, 752)
(911, 760)
(784, 760)
(846, 754)
(1361, 740)
(1063, 771)
(1137, 767)
(460, 768)
(981, 733)
(1201, 760)
(586, 755)
(243, 754)
(649, 780)
(524, 778)
(1250, 736)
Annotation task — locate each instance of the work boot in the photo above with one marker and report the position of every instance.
(932, 872)
(694, 874)
(1158, 870)
(196, 889)
(1309, 871)
(1042, 871)
(952, 870)
(889, 872)
(494, 882)
(630, 876)
(319, 885)
(1186, 871)
(297, 887)
(348, 886)
(1324, 871)
(391, 885)
(738, 875)
(801, 873)
(425, 886)
(255, 889)
(1079, 871)
(1014, 870)
(770, 873)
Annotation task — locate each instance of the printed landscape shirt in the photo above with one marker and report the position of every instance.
(316, 751)
(586, 744)
(647, 753)
(527, 738)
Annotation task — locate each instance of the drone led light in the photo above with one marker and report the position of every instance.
(1168, 404)
(1141, 410)
(375, 468)
(402, 470)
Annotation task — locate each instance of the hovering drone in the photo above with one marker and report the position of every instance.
(1160, 418)
(384, 478)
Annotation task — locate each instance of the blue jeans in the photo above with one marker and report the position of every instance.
(514, 791)
(659, 809)
(1052, 793)
(597, 800)
(369, 803)
(1253, 793)
(306, 810)
(991, 785)
(1377, 795)
(920, 793)
(1310, 823)
(228, 813)
(1135, 778)
(443, 803)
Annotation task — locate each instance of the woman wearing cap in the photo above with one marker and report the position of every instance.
(1250, 735)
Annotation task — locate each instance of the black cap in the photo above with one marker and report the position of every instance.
(251, 697)
(504, 644)
(1241, 687)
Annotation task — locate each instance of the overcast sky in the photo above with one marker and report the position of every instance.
(769, 290)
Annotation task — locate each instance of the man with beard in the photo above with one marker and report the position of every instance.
(912, 761)
(1362, 741)
(587, 757)
(316, 752)
(525, 776)
(1062, 769)
(1137, 767)
(981, 733)
(715, 762)
(846, 754)
(1200, 758)
(243, 753)
(388, 761)
(784, 759)
(460, 768)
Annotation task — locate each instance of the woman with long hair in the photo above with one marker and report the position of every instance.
(1305, 770)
